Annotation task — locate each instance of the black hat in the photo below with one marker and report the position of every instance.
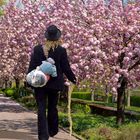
(52, 33)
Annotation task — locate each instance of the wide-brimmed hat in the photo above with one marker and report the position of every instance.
(52, 33)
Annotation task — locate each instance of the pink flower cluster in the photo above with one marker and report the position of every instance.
(95, 35)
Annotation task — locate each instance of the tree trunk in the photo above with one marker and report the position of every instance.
(121, 100)
(106, 93)
(6, 84)
(17, 81)
(107, 99)
(92, 95)
(128, 98)
(121, 91)
(113, 98)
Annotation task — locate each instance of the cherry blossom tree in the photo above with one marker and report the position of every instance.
(125, 37)
(118, 31)
(102, 40)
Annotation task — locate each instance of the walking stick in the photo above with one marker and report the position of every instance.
(71, 87)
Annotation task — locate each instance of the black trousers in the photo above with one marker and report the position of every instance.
(47, 125)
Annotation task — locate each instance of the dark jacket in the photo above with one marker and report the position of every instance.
(59, 55)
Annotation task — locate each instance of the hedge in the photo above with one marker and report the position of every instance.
(134, 100)
(82, 95)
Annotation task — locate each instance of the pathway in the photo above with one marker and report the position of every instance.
(17, 123)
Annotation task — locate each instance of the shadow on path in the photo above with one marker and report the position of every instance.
(12, 108)
(29, 125)
(16, 135)
(18, 123)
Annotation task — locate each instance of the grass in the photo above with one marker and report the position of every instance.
(133, 108)
(97, 127)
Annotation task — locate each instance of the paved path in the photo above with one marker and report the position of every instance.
(17, 123)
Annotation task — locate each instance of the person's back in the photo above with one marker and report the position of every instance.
(54, 50)
(59, 55)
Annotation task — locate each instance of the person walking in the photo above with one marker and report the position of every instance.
(47, 96)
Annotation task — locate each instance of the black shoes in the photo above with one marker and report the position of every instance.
(52, 134)
(43, 138)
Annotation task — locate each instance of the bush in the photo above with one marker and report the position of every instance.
(87, 96)
(16, 93)
(9, 92)
(129, 132)
(82, 121)
(79, 108)
(96, 127)
(29, 102)
(63, 120)
(27, 99)
(135, 101)
(82, 95)
(1, 92)
(102, 132)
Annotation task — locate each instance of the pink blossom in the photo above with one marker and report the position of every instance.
(94, 38)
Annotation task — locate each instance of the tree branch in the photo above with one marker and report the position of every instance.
(134, 65)
(83, 1)
(131, 37)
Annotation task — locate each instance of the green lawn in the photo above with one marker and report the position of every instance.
(97, 127)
